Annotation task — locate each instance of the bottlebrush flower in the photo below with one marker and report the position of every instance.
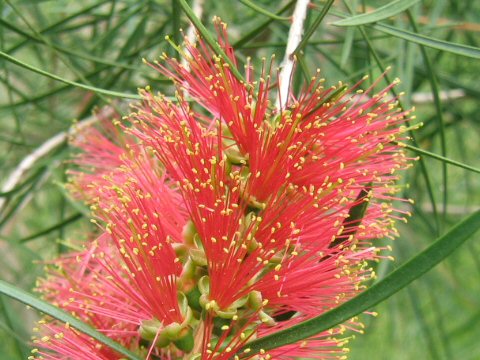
(235, 219)
(80, 284)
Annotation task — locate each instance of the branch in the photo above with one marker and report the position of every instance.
(294, 38)
(29, 161)
(190, 36)
(445, 95)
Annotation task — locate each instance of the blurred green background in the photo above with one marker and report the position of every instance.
(100, 44)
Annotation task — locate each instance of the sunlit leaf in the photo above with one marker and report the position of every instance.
(391, 9)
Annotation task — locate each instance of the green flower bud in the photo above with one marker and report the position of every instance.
(189, 231)
(198, 257)
(255, 300)
(193, 297)
(185, 341)
(149, 329)
(204, 285)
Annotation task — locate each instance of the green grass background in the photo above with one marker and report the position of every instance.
(101, 44)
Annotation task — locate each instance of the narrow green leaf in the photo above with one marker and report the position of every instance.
(15, 142)
(392, 283)
(22, 185)
(441, 158)
(74, 16)
(46, 308)
(455, 83)
(438, 108)
(175, 19)
(454, 48)
(279, 44)
(101, 42)
(347, 47)
(258, 29)
(209, 39)
(315, 25)
(70, 62)
(66, 50)
(261, 10)
(134, 40)
(58, 25)
(13, 89)
(52, 228)
(66, 81)
(391, 9)
(15, 205)
(423, 327)
(305, 72)
(19, 345)
(459, 49)
(423, 167)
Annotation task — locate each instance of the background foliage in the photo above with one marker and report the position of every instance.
(62, 59)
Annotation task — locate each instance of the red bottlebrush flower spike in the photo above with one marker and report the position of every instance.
(221, 228)
(79, 283)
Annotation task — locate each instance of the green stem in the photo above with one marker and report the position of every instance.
(66, 81)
